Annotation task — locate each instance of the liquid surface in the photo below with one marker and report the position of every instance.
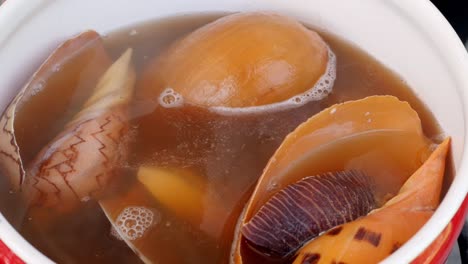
(228, 152)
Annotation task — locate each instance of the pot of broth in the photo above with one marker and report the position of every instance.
(231, 132)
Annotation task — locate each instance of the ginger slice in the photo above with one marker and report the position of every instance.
(185, 194)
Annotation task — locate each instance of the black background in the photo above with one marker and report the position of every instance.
(456, 12)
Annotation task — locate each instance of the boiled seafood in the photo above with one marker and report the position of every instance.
(80, 161)
(379, 234)
(243, 60)
(362, 135)
(303, 210)
(76, 65)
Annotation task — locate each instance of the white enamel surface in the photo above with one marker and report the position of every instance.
(410, 37)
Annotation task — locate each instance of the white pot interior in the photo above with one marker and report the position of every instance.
(410, 37)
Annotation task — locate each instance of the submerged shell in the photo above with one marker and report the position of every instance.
(307, 208)
(114, 207)
(378, 135)
(241, 60)
(70, 73)
(152, 244)
(342, 138)
(77, 164)
(376, 236)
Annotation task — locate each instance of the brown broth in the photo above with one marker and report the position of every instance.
(229, 152)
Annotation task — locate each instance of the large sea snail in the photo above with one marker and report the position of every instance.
(76, 164)
(79, 162)
(243, 60)
(372, 238)
(70, 73)
(363, 139)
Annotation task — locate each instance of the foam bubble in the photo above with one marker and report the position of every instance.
(272, 186)
(37, 88)
(133, 222)
(320, 90)
(170, 99)
(133, 32)
(56, 67)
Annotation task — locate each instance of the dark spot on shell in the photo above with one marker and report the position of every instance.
(337, 262)
(395, 247)
(303, 210)
(311, 258)
(369, 236)
(335, 231)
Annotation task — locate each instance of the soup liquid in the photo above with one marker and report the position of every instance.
(227, 152)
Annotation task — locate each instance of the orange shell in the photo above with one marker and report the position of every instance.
(364, 135)
(245, 59)
(378, 135)
(377, 235)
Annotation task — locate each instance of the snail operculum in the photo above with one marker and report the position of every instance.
(303, 210)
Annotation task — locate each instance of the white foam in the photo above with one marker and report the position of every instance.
(320, 90)
(170, 99)
(56, 67)
(134, 221)
(133, 32)
(37, 88)
(272, 186)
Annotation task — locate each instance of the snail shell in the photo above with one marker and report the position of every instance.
(372, 238)
(366, 135)
(241, 60)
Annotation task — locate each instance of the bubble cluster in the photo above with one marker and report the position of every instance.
(134, 221)
(38, 87)
(170, 98)
(320, 90)
(322, 87)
